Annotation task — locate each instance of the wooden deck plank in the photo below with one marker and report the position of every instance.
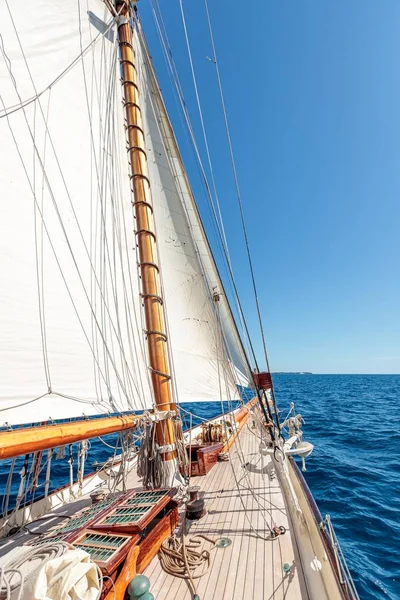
(251, 567)
(221, 559)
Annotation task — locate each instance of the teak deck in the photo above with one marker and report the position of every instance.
(250, 567)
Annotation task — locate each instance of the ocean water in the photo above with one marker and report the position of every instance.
(354, 472)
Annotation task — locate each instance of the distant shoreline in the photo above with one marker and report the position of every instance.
(292, 373)
(349, 374)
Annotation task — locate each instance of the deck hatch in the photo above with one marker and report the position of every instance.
(135, 512)
(127, 515)
(148, 498)
(83, 518)
(106, 549)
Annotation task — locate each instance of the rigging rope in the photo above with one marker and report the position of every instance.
(236, 185)
(101, 329)
(168, 55)
(239, 198)
(149, 465)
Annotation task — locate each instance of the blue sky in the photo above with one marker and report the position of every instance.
(313, 97)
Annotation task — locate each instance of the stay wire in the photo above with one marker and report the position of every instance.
(174, 77)
(239, 198)
(267, 410)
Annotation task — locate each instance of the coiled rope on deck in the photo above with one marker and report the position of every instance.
(14, 577)
(15, 574)
(184, 560)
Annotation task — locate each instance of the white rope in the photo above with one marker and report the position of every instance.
(7, 491)
(71, 472)
(13, 569)
(82, 455)
(48, 472)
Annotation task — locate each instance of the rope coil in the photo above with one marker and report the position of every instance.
(13, 578)
(184, 560)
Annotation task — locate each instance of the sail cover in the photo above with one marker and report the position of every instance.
(71, 323)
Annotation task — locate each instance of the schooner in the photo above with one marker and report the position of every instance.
(113, 314)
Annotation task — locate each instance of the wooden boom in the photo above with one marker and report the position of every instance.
(32, 439)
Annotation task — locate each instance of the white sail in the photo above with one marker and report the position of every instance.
(71, 331)
(207, 366)
(71, 339)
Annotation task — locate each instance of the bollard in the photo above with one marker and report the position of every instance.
(138, 589)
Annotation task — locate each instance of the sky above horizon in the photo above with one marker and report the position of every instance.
(313, 98)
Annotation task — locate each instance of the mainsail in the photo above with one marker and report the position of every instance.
(71, 330)
(70, 315)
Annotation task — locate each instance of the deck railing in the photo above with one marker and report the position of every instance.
(344, 574)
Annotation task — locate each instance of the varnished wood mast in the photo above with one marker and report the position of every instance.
(145, 231)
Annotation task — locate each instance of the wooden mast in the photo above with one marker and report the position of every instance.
(145, 235)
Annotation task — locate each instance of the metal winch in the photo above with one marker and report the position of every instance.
(195, 508)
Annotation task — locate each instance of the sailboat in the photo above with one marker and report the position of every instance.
(113, 315)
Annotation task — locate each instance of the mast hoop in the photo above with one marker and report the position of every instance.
(128, 45)
(154, 296)
(128, 62)
(147, 231)
(133, 148)
(162, 334)
(132, 83)
(150, 264)
(131, 126)
(127, 103)
(136, 202)
(141, 176)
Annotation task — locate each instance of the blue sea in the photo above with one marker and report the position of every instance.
(354, 472)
